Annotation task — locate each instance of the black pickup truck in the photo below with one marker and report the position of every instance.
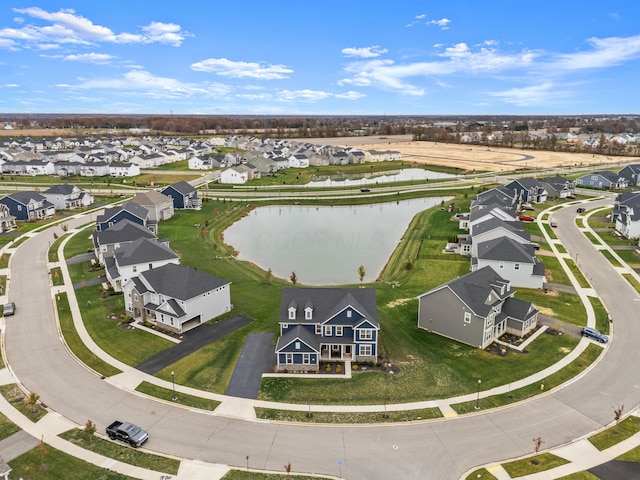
(127, 432)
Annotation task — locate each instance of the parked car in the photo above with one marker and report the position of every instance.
(526, 218)
(571, 197)
(9, 309)
(364, 190)
(595, 334)
(553, 224)
(128, 433)
(528, 206)
(580, 210)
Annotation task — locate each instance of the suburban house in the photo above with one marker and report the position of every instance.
(626, 214)
(528, 189)
(326, 324)
(28, 206)
(476, 309)
(176, 298)
(184, 196)
(631, 173)
(123, 169)
(604, 180)
(558, 187)
(136, 257)
(159, 205)
(514, 261)
(105, 242)
(239, 174)
(67, 197)
(7, 221)
(505, 197)
(129, 211)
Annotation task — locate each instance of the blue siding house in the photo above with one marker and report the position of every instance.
(28, 206)
(184, 196)
(326, 324)
(129, 211)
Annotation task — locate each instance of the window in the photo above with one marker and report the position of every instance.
(306, 358)
(467, 317)
(289, 358)
(103, 248)
(366, 334)
(135, 297)
(339, 331)
(308, 313)
(516, 266)
(285, 326)
(292, 314)
(501, 265)
(318, 329)
(365, 350)
(348, 313)
(135, 269)
(297, 345)
(327, 330)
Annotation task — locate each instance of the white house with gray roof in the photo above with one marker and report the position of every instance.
(176, 298)
(136, 257)
(66, 197)
(496, 228)
(514, 261)
(476, 309)
(118, 235)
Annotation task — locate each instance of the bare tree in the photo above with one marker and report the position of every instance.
(537, 443)
(287, 468)
(293, 278)
(32, 400)
(617, 413)
(90, 429)
(267, 278)
(361, 272)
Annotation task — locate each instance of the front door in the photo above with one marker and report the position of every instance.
(347, 352)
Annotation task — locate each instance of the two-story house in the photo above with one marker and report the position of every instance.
(129, 211)
(326, 324)
(476, 309)
(28, 206)
(105, 242)
(67, 197)
(160, 206)
(176, 298)
(184, 196)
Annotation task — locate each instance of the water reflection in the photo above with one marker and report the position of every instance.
(404, 175)
(324, 245)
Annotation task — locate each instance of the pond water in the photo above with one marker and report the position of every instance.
(324, 245)
(404, 175)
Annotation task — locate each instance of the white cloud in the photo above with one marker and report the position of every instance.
(97, 58)
(302, 95)
(229, 68)
(350, 95)
(606, 52)
(66, 27)
(443, 23)
(364, 52)
(544, 94)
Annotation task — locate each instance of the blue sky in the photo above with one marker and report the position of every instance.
(347, 57)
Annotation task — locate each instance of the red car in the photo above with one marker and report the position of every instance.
(526, 218)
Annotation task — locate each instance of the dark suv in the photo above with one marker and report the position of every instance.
(595, 334)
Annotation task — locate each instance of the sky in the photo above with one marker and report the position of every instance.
(333, 57)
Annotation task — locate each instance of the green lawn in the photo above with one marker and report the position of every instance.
(602, 316)
(580, 476)
(632, 455)
(609, 256)
(121, 452)
(613, 240)
(74, 342)
(46, 463)
(347, 417)
(632, 281)
(244, 475)
(14, 395)
(554, 271)
(535, 464)
(7, 427)
(616, 434)
(482, 474)
(180, 398)
(582, 281)
(560, 305)
(630, 257)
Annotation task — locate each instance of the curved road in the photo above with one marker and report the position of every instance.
(440, 449)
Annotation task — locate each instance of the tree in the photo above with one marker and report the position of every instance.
(361, 272)
(43, 451)
(537, 443)
(293, 278)
(90, 429)
(32, 400)
(617, 413)
(287, 468)
(267, 278)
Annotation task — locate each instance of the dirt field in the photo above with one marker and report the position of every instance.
(475, 158)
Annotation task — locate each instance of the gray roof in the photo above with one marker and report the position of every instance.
(181, 282)
(131, 207)
(327, 302)
(518, 309)
(151, 198)
(506, 249)
(121, 232)
(493, 223)
(475, 289)
(303, 334)
(64, 189)
(143, 250)
(26, 197)
(183, 187)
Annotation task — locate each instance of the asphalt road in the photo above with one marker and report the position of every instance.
(440, 449)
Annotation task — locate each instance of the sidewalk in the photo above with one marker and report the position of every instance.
(579, 452)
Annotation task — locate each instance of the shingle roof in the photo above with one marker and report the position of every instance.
(181, 282)
(143, 250)
(121, 232)
(506, 249)
(151, 197)
(303, 334)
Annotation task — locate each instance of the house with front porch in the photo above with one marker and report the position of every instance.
(28, 206)
(603, 180)
(476, 309)
(66, 197)
(159, 205)
(122, 233)
(129, 211)
(7, 221)
(176, 298)
(326, 324)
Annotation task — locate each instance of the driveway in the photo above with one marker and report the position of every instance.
(193, 340)
(258, 356)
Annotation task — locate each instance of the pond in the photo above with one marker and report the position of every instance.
(404, 175)
(324, 245)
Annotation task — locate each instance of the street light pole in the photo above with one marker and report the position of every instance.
(478, 397)
(173, 385)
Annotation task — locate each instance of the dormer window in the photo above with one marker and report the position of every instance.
(308, 313)
(292, 313)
